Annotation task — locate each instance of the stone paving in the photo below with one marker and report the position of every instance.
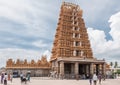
(47, 81)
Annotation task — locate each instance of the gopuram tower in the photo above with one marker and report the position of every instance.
(71, 52)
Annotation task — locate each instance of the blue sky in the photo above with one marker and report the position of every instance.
(27, 27)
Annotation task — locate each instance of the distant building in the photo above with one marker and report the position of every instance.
(2, 70)
(39, 68)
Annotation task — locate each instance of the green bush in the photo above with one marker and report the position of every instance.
(118, 71)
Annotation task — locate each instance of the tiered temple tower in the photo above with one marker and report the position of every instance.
(71, 37)
(72, 53)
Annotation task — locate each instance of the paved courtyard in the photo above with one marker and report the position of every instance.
(46, 81)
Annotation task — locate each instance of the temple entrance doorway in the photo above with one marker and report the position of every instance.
(69, 68)
(84, 70)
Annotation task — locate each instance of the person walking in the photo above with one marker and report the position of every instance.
(11, 77)
(100, 78)
(24, 79)
(5, 79)
(104, 77)
(21, 77)
(2, 78)
(28, 77)
(95, 79)
(90, 79)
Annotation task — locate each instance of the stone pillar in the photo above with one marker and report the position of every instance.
(53, 65)
(76, 68)
(91, 68)
(104, 69)
(56, 66)
(62, 67)
(100, 68)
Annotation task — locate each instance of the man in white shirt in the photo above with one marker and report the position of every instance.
(5, 79)
(95, 79)
(21, 77)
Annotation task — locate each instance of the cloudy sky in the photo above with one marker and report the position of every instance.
(27, 27)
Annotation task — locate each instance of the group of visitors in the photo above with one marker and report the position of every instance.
(5, 78)
(95, 78)
(24, 77)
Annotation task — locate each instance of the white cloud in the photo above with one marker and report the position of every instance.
(15, 10)
(33, 15)
(40, 44)
(115, 27)
(48, 54)
(97, 38)
(33, 20)
(18, 53)
(102, 48)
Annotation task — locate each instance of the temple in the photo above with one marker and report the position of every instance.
(71, 52)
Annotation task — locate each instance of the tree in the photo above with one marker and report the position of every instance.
(111, 64)
(118, 71)
(116, 64)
